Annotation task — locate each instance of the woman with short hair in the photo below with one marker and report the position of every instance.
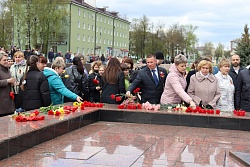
(17, 70)
(226, 101)
(56, 86)
(174, 90)
(204, 88)
(6, 81)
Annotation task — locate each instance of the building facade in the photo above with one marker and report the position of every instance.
(94, 31)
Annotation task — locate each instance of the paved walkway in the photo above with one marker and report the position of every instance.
(137, 145)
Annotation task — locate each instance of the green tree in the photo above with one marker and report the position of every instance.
(208, 49)
(219, 51)
(6, 25)
(243, 47)
(138, 36)
(37, 22)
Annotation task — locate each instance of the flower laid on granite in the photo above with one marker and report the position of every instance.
(239, 112)
(24, 117)
(130, 103)
(149, 106)
(201, 110)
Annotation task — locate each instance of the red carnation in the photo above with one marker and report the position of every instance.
(118, 98)
(136, 90)
(112, 96)
(95, 81)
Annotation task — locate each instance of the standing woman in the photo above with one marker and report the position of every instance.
(174, 90)
(112, 82)
(34, 89)
(17, 70)
(226, 101)
(6, 102)
(204, 88)
(94, 82)
(77, 81)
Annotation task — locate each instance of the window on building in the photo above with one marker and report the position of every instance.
(108, 31)
(83, 25)
(100, 40)
(120, 34)
(88, 51)
(84, 14)
(104, 20)
(89, 15)
(79, 12)
(93, 40)
(78, 37)
(117, 34)
(83, 51)
(88, 26)
(108, 41)
(88, 38)
(125, 45)
(100, 29)
(93, 28)
(83, 37)
(100, 18)
(93, 16)
(108, 21)
(96, 40)
(78, 24)
(77, 50)
(104, 30)
(97, 18)
(104, 41)
(96, 29)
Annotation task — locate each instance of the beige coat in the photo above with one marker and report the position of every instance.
(205, 89)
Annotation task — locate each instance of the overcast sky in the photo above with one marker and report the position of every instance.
(217, 20)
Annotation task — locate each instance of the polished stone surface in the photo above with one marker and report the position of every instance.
(244, 158)
(16, 137)
(113, 144)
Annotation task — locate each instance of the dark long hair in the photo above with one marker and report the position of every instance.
(31, 64)
(78, 63)
(112, 71)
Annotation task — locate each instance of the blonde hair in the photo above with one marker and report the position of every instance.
(205, 62)
(58, 63)
(98, 63)
(180, 59)
(224, 62)
(19, 53)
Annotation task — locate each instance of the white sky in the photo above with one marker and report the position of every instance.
(217, 20)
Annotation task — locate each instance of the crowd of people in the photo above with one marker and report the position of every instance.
(27, 83)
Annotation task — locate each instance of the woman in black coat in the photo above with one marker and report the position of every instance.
(94, 82)
(112, 82)
(77, 81)
(34, 89)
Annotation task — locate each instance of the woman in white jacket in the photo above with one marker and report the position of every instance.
(226, 101)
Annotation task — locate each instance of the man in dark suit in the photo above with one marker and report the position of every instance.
(151, 80)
